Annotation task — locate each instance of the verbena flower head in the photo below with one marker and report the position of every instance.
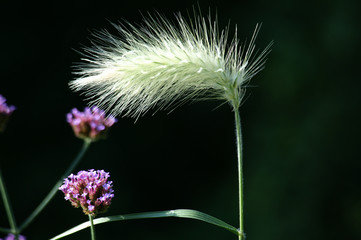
(11, 236)
(5, 112)
(160, 63)
(91, 123)
(89, 190)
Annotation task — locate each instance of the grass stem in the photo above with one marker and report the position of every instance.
(240, 170)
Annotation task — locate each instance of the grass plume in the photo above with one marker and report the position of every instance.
(160, 65)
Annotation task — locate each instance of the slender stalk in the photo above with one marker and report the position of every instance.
(7, 205)
(240, 171)
(5, 230)
(92, 228)
(54, 190)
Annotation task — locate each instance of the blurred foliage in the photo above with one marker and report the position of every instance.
(300, 122)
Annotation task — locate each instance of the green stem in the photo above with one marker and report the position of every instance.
(92, 228)
(7, 205)
(5, 230)
(54, 190)
(240, 171)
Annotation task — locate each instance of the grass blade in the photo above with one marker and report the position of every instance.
(180, 213)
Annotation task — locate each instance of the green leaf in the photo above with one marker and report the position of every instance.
(180, 213)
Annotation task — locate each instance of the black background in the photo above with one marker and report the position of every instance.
(300, 125)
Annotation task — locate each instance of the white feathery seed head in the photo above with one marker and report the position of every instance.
(162, 65)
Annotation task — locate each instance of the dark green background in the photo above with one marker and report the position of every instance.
(300, 124)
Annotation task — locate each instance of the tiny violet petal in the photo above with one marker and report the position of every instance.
(91, 208)
(100, 127)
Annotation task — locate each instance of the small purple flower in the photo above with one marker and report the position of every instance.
(12, 237)
(89, 190)
(90, 124)
(5, 112)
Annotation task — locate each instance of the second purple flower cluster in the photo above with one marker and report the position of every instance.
(90, 124)
(89, 190)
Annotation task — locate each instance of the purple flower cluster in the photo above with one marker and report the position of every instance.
(5, 112)
(12, 237)
(90, 124)
(90, 190)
